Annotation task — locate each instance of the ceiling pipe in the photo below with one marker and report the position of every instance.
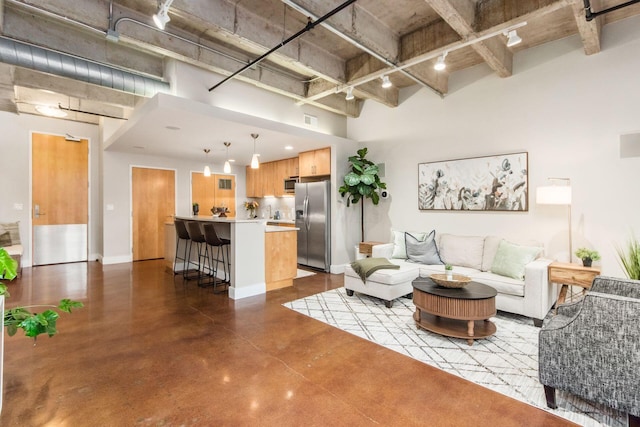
(362, 47)
(310, 26)
(61, 64)
(591, 15)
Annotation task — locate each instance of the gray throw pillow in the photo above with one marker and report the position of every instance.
(423, 251)
(5, 239)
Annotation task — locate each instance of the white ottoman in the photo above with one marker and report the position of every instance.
(385, 284)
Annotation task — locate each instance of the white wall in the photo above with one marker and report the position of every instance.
(15, 172)
(188, 81)
(117, 193)
(566, 109)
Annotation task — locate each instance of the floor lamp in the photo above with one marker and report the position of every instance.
(555, 194)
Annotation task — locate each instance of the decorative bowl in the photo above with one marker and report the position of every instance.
(458, 281)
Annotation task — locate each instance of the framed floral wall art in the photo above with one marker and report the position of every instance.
(491, 183)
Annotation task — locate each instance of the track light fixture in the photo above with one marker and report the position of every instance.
(255, 164)
(440, 64)
(207, 170)
(349, 96)
(162, 17)
(227, 165)
(512, 38)
(386, 83)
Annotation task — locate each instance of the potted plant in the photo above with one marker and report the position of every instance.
(630, 260)
(587, 256)
(196, 209)
(33, 324)
(448, 268)
(362, 182)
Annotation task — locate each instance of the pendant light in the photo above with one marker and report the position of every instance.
(207, 170)
(255, 164)
(227, 165)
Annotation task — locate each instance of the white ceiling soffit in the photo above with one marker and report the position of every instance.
(179, 128)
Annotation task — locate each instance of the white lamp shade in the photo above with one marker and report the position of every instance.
(227, 167)
(207, 171)
(553, 195)
(255, 164)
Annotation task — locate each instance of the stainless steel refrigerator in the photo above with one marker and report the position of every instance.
(313, 220)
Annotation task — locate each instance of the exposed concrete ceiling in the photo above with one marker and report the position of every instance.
(356, 47)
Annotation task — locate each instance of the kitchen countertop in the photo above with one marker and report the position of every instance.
(282, 221)
(209, 218)
(274, 228)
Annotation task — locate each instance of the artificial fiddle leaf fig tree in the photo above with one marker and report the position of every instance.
(362, 183)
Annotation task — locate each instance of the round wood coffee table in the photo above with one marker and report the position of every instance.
(458, 313)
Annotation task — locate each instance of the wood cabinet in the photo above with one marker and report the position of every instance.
(315, 163)
(215, 190)
(268, 180)
(280, 258)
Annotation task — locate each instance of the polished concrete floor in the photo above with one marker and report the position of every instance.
(151, 350)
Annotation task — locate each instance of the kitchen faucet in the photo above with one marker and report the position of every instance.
(270, 216)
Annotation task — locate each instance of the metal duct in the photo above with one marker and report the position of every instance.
(48, 61)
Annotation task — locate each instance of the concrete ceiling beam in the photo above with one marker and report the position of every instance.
(460, 15)
(37, 80)
(357, 23)
(494, 15)
(590, 31)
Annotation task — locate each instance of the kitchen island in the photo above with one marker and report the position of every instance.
(261, 256)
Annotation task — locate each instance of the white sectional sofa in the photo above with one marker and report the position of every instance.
(531, 295)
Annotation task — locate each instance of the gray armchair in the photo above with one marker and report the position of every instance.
(591, 348)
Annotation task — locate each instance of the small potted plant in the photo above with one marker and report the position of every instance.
(196, 209)
(448, 268)
(587, 256)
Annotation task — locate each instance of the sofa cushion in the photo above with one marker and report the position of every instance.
(5, 239)
(491, 244)
(427, 270)
(510, 259)
(462, 251)
(14, 231)
(422, 252)
(14, 250)
(406, 273)
(502, 284)
(399, 245)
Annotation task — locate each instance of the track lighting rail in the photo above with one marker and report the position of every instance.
(310, 26)
(591, 15)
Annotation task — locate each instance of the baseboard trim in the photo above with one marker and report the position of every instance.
(247, 291)
(106, 260)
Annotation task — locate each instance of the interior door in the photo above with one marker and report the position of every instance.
(226, 193)
(60, 190)
(203, 192)
(153, 204)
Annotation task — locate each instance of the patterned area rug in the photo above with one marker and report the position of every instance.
(507, 362)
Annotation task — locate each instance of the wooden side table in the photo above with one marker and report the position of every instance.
(364, 249)
(571, 275)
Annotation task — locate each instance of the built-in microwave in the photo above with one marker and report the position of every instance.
(290, 184)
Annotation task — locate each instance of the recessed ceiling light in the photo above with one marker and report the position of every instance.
(50, 111)
(288, 147)
(232, 160)
(172, 127)
(139, 147)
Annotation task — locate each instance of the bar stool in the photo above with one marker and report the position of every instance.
(196, 236)
(182, 234)
(212, 239)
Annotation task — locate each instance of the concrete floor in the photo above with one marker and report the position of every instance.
(150, 349)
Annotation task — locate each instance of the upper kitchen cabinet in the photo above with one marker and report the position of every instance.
(268, 180)
(315, 163)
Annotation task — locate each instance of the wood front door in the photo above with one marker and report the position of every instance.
(153, 204)
(60, 189)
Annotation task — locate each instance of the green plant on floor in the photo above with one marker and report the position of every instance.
(362, 182)
(33, 324)
(630, 259)
(587, 256)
